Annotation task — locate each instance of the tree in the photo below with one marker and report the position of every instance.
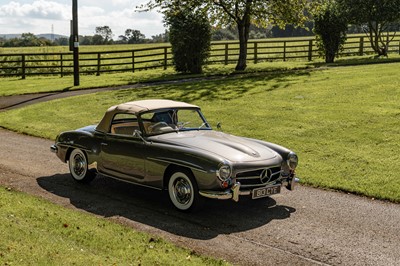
(61, 41)
(134, 36)
(220, 34)
(292, 31)
(330, 29)
(190, 37)
(122, 39)
(27, 39)
(105, 32)
(375, 18)
(85, 40)
(97, 39)
(241, 13)
(160, 38)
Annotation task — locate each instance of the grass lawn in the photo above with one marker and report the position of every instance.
(36, 232)
(343, 122)
(37, 84)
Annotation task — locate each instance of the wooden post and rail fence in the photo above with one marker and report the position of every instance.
(61, 63)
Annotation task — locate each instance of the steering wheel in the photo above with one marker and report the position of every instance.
(154, 127)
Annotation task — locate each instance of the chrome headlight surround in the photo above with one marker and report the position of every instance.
(224, 172)
(292, 160)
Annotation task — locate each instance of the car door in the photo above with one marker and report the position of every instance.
(122, 152)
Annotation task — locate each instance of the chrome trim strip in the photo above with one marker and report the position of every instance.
(232, 193)
(256, 169)
(93, 166)
(178, 162)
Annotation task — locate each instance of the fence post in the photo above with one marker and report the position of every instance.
(23, 66)
(226, 53)
(133, 61)
(98, 64)
(361, 46)
(61, 65)
(255, 53)
(284, 50)
(165, 58)
(310, 46)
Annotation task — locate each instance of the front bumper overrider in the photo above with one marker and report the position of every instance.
(234, 192)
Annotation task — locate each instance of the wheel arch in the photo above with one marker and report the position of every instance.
(172, 168)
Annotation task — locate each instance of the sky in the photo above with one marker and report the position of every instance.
(40, 16)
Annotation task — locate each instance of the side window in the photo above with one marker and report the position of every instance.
(124, 124)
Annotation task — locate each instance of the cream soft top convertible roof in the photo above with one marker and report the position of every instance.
(137, 107)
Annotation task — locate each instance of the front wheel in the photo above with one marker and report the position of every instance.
(183, 190)
(78, 167)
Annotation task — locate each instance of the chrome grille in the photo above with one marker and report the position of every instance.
(258, 177)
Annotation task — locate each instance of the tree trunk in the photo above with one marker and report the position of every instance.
(329, 57)
(244, 30)
(241, 64)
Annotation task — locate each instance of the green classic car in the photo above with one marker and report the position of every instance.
(169, 145)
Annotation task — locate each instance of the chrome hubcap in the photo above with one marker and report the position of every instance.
(183, 191)
(79, 165)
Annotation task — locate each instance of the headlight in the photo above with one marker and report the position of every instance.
(224, 172)
(292, 160)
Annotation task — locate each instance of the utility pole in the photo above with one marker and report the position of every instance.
(75, 41)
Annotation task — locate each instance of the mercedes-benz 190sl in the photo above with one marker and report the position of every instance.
(169, 145)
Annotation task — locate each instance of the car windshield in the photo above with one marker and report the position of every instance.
(173, 120)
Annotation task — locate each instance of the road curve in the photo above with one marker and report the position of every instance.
(304, 227)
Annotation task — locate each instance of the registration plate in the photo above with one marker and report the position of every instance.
(266, 191)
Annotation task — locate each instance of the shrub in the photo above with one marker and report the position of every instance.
(190, 38)
(330, 30)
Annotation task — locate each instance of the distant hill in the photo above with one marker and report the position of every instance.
(48, 36)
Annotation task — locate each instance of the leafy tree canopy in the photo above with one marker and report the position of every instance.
(105, 32)
(241, 13)
(375, 18)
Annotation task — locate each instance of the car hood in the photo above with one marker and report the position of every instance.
(232, 148)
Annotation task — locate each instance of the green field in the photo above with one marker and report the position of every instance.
(342, 121)
(36, 232)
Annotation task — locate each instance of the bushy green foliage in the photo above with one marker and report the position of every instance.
(330, 30)
(190, 37)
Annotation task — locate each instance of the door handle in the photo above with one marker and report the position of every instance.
(104, 144)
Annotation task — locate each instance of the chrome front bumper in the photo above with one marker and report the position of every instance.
(234, 192)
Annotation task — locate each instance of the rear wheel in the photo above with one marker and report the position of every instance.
(183, 190)
(78, 167)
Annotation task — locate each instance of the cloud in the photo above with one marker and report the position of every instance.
(39, 9)
(40, 16)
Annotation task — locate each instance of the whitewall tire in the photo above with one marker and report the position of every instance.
(78, 167)
(183, 191)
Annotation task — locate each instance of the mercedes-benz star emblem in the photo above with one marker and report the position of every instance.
(265, 175)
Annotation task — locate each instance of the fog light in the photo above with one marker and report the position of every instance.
(225, 184)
